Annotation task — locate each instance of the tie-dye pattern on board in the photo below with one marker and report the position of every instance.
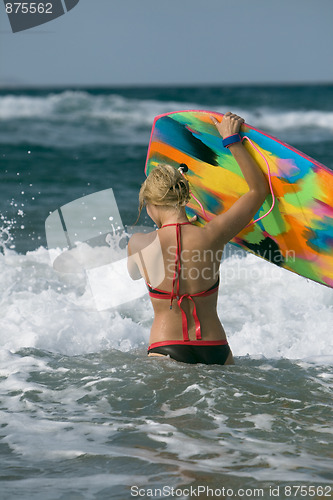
(297, 234)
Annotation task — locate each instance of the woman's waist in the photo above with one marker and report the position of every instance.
(165, 330)
(196, 343)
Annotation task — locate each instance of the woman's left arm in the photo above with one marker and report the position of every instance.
(133, 260)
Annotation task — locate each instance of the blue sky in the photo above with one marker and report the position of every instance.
(115, 42)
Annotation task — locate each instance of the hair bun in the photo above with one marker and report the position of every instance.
(183, 168)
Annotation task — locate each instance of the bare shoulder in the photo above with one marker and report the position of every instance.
(138, 241)
(207, 235)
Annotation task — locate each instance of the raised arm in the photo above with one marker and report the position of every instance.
(227, 225)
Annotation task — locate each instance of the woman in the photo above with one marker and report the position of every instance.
(183, 259)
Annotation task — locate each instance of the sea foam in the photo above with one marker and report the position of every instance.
(266, 311)
(112, 117)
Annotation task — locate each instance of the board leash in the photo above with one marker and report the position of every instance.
(269, 180)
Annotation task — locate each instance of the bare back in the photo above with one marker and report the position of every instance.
(199, 271)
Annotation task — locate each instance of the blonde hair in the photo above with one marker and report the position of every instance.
(164, 186)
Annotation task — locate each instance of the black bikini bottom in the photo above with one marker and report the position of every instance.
(206, 354)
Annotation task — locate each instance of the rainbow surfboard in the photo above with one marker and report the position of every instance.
(297, 234)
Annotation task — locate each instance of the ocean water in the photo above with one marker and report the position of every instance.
(84, 413)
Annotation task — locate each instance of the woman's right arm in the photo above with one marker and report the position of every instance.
(226, 226)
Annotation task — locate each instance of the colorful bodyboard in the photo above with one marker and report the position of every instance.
(298, 232)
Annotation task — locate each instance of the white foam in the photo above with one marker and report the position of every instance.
(76, 105)
(40, 310)
(262, 421)
(293, 126)
(131, 119)
(269, 311)
(266, 311)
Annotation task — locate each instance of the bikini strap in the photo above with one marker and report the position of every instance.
(176, 224)
(176, 274)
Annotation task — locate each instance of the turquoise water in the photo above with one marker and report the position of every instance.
(84, 413)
